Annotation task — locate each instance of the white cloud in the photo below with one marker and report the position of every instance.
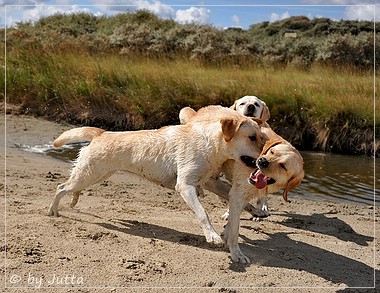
(236, 20)
(364, 12)
(275, 16)
(193, 14)
(110, 7)
(158, 8)
(155, 6)
(25, 13)
(114, 4)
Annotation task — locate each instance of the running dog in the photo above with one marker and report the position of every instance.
(186, 158)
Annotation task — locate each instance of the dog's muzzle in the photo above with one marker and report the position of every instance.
(250, 111)
(262, 162)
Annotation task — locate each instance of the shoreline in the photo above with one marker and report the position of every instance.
(127, 232)
(337, 139)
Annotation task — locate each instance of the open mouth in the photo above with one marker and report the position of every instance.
(260, 180)
(248, 161)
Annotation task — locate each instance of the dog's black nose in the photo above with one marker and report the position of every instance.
(250, 110)
(251, 107)
(262, 162)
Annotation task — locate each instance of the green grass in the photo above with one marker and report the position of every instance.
(153, 91)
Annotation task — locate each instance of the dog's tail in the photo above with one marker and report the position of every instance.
(186, 114)
(77, 135)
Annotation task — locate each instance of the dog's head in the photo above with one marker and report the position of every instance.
(241, 135)
(243, 138)
(252, 106)
(280, 166)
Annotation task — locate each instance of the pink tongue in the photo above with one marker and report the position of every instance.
(260, 180)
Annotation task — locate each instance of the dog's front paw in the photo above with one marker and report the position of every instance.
(53, 212)
(257, 214)
(215, 239)
(261, 217)
(238, 256)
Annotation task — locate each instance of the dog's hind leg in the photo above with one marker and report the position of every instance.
(218, 187)
(75, 199)
(62, 189)
(81, 177)
(76, 195)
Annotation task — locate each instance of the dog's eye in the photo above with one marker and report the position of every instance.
(272, 152)
(253, 138)
(283, 166)
(257, 104)
(242, 104)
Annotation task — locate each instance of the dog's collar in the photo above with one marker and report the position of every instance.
(269, 144)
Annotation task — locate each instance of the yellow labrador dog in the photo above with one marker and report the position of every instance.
(186, 158)
(279, 166)
(252, 106)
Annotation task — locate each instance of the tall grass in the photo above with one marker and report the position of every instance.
(323, 108)
(153, 91)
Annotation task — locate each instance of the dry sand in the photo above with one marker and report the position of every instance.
(128, 235)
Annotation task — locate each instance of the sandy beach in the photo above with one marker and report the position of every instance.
(127, 233)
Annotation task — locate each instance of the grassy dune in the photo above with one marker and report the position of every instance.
(117, 92)
(144, 85)
(136, 71)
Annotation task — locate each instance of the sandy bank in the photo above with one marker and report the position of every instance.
(127, 232)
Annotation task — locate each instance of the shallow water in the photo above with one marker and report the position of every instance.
(339, 178)
(328, 177)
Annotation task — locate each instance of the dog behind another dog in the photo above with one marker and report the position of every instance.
(252, 106)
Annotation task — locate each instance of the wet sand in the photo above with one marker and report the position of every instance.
(129, 233)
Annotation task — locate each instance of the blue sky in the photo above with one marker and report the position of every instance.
(224, 13)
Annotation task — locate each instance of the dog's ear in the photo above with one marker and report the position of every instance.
(265, 114)
(229, 127)
(233, 107)
(186, 114)
(269, 144)
(293, 183)
(257, 120)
